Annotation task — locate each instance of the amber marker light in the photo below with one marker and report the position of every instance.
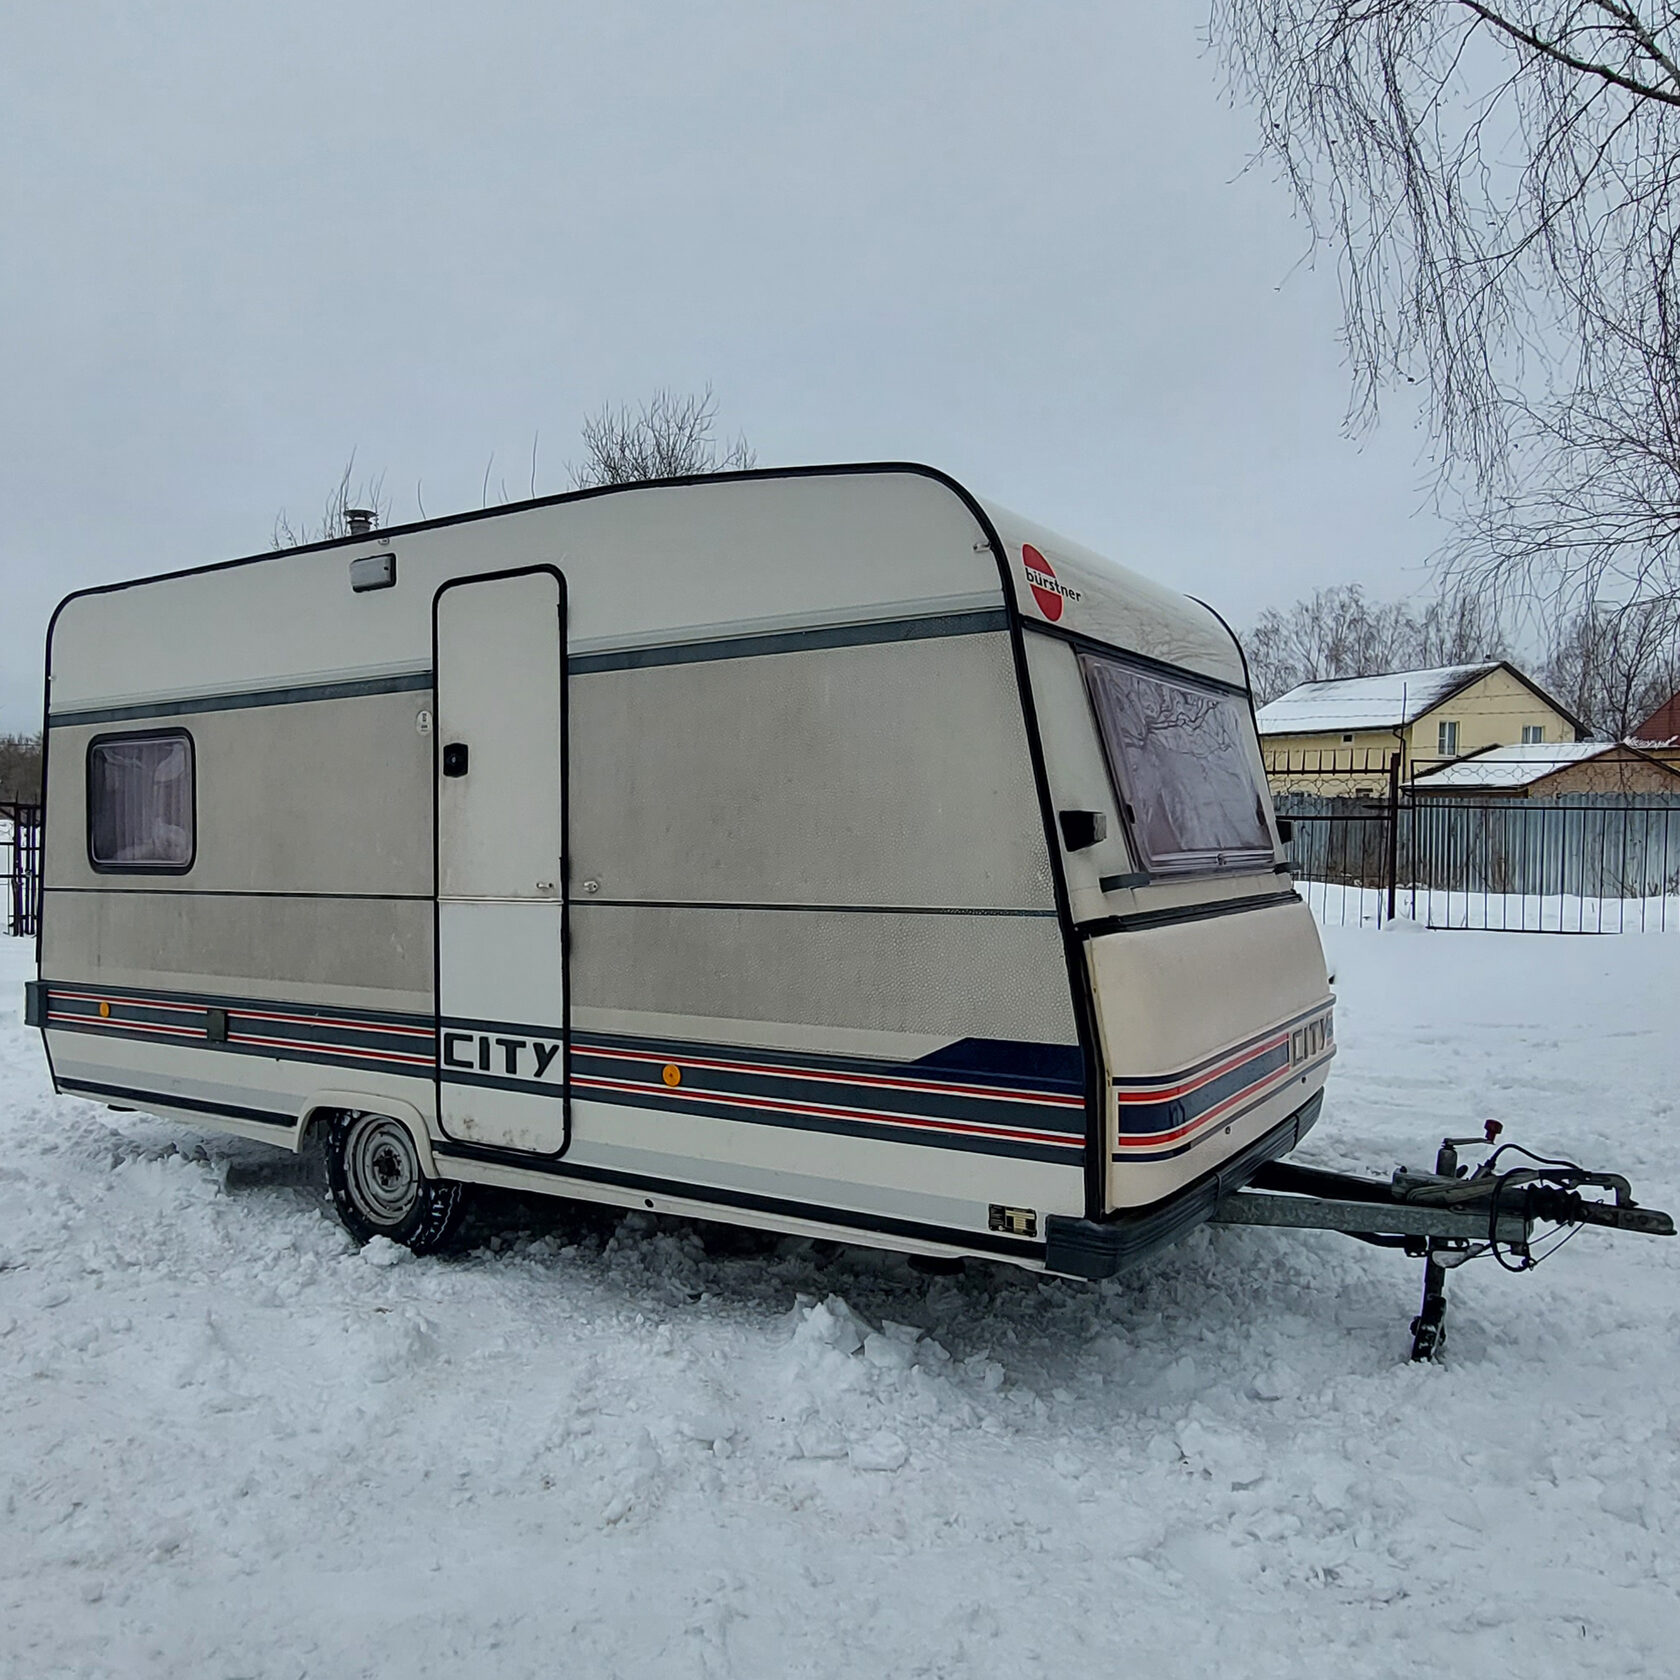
(672, 1074)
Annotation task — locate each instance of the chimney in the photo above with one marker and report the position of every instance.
(360, 520)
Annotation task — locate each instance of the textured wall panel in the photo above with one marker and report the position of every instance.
(947, 976)
(372, 953)
(892, 774)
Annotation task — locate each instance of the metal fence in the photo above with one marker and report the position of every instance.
(20, 868)
(1578, 863)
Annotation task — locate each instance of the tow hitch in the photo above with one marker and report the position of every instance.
(1448, 1216)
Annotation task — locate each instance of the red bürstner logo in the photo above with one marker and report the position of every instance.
(1041, 579)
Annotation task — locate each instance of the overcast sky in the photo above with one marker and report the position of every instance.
(237, 242)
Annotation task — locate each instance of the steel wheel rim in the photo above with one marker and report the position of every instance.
(381, 1169)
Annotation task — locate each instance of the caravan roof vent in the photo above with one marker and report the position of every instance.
(360, 520)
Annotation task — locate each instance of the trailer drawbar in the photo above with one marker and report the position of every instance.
(1448, 1216)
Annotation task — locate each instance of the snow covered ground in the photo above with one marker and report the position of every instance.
(594, 1446)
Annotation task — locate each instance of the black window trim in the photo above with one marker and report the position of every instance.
(1249, 863)
(87, 799)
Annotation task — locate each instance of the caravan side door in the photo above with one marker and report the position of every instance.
(499, 652)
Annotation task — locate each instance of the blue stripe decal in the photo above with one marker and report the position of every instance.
(814, 639)
(1161, 1117)
(895, 1102)
(1146, 1119)
(990, 1096)
(878, 1129)
(1122, 1082)
(1050, 1067)
(363, 1039)
(1235, 1117)
(297, 694)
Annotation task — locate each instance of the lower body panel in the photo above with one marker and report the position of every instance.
(969, 1149)
(1092, 1248)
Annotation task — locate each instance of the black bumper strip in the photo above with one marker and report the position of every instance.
(1174, 914)
(1091, 1248)
(190, 1105)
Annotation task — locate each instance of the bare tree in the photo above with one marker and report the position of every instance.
(669, 436)
(1341, 632)
(1336, 632)
(335, 516)
(1612, 668)
(1497, 179)
(1461, 625)
(20, 768)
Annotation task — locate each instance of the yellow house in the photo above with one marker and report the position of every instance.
(1340, 736)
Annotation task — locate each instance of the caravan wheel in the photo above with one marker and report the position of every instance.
(379, 1189)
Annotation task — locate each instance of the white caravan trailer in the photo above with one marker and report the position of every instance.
(825, 850)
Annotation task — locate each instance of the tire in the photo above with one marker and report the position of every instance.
(379, 1189)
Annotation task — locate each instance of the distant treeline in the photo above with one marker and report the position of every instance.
(1609, 665)
(20, 768)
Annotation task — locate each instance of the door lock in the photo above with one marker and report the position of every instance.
(455, 759)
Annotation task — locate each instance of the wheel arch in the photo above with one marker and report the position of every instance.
(322, 1105)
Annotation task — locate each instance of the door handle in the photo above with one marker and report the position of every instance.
(455, 759)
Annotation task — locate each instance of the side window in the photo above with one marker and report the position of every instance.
(1181, 763)
(1533, 734)
(140, 806)
(1446, 740)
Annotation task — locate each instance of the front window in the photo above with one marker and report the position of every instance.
(1180, 756)
(140, 802)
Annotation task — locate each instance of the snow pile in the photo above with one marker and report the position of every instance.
(602, 1445)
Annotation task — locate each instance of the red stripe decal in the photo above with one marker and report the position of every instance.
(130, 1026)
(1153, 1140)
(330, 1049)
(235, 1012)
(1157, 1094)
(824, 1111)
(197, 1033)
(827, 1076)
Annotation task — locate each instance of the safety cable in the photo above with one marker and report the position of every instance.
(1528, 1260)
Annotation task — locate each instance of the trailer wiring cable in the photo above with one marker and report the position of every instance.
(1566, 1233)
(1527, 1260)
(1498, 1186)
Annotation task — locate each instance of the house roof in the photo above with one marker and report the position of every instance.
(1390, 701)
(1504, 769)
(1353, 703)
(1513, 767)
(1662, 727)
